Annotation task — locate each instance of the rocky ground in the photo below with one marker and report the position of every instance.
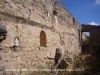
(85, 64)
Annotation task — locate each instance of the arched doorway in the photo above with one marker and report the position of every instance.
(42, 39)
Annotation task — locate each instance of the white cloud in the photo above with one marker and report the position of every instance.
(97, 1)
(93, 23)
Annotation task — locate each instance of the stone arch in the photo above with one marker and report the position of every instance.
(42, 39)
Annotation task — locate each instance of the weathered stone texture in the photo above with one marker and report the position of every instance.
(24, 21)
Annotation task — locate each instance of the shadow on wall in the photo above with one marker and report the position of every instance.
(3, 31)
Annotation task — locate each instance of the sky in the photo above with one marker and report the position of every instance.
(85, 11)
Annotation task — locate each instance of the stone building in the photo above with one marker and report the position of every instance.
(94, 35)
(35, 29)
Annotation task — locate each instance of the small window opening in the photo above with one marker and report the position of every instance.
(54, 12)
(42, 39)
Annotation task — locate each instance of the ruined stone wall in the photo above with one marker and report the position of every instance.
(88, 28)
(94, 38)
(94, 35)
(25, 20)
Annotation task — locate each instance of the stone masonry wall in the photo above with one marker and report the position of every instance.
(24, 20)
(94, 38)
(94, 34)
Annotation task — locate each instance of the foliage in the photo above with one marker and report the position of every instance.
(87, 41)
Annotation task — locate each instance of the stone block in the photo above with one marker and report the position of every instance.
(24, 35)
(25, 41)
(23, 58)
(30, 45)
(17, 49)
(14, 59)
(11, 55)
(25, 49)
(21, 40)
(1, 61)
(24, 26)
(24, 45)
(16, 54)
(18, 30)
(29, 40)
(40, 56)
(18, 66)
(52, 53)
(33, 63)
(5, 50)
(32, 49)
